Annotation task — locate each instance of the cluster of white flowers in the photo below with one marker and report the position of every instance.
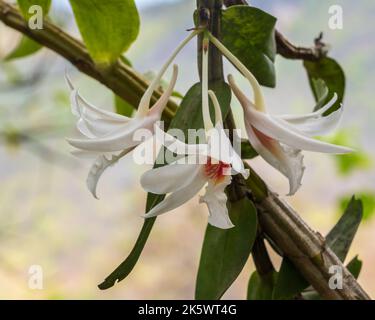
(277, 139)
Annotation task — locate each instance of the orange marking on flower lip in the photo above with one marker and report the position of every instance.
(216, 171)
(268, 142)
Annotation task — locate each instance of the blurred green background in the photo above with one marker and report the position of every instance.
(48, 217)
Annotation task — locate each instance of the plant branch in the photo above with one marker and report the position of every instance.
(304, 247)
(120, 78)
(288, 50)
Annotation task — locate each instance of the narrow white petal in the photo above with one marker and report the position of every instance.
(316, 126)
(216, 201)
(159, 106)
(177, 146)
(93, 122)
(178, 198)
(221, 149)
(170, 178)
(144, 104)
(100, 165)
(315, 114)
(288, 135)
(121, 139)
(285, 159)
(79, 104)
(215, 102)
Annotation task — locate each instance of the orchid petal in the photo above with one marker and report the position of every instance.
(144, 104)
(159, 106)
(98, 168)
(79, 104)
(315, 126)
(221, 149)
(215, 102)
(177, 146)
(178, 198)
(285, 159)
(93, 122)
(281, 130)
(316, 114)
(121, 139)
(216, 201)
(170, 178)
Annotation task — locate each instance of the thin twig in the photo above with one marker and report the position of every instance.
(288, 50)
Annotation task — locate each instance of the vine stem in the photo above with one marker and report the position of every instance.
(304, 247)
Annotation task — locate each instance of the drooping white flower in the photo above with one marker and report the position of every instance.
(211, 165)
(109, 136)
(280, 139)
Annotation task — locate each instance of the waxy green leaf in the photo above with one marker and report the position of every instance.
(225, 252)
(124, 269)
(261, 288)
(108, 28)
(354, 267)
(189, 115)
(340, 238)
(329, 71)
(289, 282)
(248, 33)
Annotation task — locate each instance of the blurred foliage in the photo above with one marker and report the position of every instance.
(348, 163)
(25, 6)
(25, 48)
(108, 28)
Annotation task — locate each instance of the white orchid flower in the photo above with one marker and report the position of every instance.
(280, 139)
(110, 136)
(202, 165)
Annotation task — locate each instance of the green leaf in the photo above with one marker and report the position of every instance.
(354, 267)
(225, 252)
(189, 115)
(108, 28)
(123, 107)
(261, 288)
(247, 151)
(289, 282)
(248, 33)
(368, 201)
(358, 160)
(26, 4)
(329, 71)
(26, 47)
(341, 236)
